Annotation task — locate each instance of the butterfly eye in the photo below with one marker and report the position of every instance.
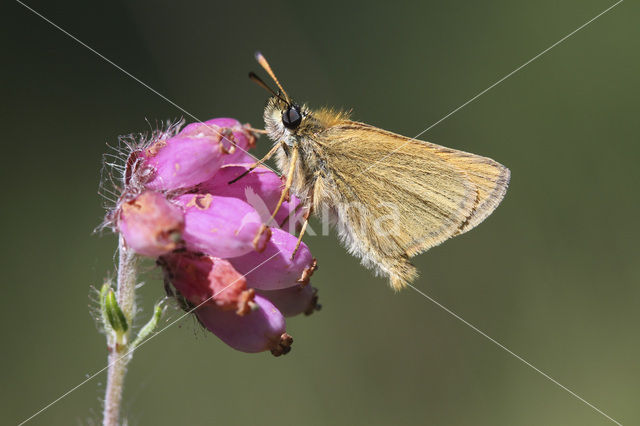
(291, 118)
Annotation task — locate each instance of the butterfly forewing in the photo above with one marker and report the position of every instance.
(429, 193)
(490, 178)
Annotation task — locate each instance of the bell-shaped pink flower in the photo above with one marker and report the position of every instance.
(262, 329)
(184, 160)
(208, 280)
(273, 268)
(150, 224)
(221, 226)
(261, 189)
(299, 299)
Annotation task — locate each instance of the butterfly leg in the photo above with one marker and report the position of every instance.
(310, 203)
(292, 214)
(257, 163)
(302, 231)
(287, 184)
(251, 129)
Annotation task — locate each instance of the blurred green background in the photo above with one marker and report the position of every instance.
(552, 274)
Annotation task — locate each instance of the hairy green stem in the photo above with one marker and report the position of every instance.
(119, 353)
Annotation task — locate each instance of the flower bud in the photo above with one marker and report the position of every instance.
(220, 226)
(184, 160)
(209, 280)
(150, 224)
(293, 300)
(273, 268)
(263, 328)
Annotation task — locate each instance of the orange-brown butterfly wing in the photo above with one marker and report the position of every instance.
(431, 192)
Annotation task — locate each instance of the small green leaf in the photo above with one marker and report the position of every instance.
(106, 287)
(115, 316)
(148, 328)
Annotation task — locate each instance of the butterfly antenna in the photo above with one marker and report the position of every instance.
(264, 85)
(263, 62)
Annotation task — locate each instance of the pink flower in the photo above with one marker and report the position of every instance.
(220, 226)
(211, 237)
(219, 296)
(241, 136)
(292, 301)
(183, 160)
(273, 268)
(207, 280)
(260, 330)
(261, 188)
(150, 224)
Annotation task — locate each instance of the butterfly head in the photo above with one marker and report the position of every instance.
(284, 119)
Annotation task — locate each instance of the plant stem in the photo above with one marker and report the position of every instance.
(118, 350)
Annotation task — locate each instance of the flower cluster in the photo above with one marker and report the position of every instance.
(221, 257)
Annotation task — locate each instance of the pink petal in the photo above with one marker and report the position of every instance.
(184, 160)
(261, 188)
(262, 181)
(240, 139)
(150, 224)
(240, 158)
(293, 300)
(220, 226)
(224, 122)
(260, 330)
(273, 269)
